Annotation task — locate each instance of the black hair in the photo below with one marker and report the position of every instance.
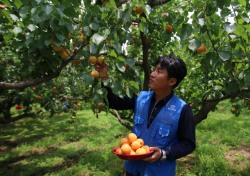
(175, 67)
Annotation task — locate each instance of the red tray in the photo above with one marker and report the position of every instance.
(132, 157)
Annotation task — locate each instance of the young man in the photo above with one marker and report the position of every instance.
(163, 120)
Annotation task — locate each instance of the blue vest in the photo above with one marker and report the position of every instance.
(162, 133)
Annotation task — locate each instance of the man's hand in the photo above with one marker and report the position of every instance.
(103, 70)
(156, 155)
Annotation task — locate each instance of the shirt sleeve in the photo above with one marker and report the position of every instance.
(186, 135)
(118, 103)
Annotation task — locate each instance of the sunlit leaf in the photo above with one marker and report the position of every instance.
(97, 38)
(17, 30)
(14, 17)
(225, 55)
(31, 27)
(144, 28)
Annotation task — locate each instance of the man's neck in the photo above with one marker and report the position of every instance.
(161, 95)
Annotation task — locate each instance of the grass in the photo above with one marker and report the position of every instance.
(58, 146)
(223, 145)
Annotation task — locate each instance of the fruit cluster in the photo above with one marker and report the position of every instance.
(96, 60)
(131, 145)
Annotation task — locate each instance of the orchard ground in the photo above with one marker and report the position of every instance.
(82, 146)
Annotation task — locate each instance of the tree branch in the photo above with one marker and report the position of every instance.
(45, 78)
(209, 105)
(116, 114)
(233, 94)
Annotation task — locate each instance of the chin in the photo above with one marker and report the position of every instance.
(151, 87)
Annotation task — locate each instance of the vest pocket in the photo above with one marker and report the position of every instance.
(162, 135)
(138, 121)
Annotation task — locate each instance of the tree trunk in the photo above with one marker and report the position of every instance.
(203, 112)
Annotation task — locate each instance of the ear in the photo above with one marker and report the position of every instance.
(172, 81)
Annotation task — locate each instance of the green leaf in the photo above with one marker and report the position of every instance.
(143, 27)
(48, 9)
(17, 30)
(120, 66)
(126, 15)
(117, 47)
(225, 55)
(97, 38)
(18, 3)
(192, 44)
(70, 12)
(69, 27)
(129, 92)
(113, 54)
(240, 31)
(60, 37)
(88, 79)
(14, 17)
(186, 31)
(116, 87)
(148, 9)
(229, 28)
(93, 48)
(112, 3)
(31, 27)
(243, 2)
(134, 85)
(94, 26)
(247, 78)
(130, 62)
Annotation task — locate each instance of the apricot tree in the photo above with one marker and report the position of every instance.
(46, 45)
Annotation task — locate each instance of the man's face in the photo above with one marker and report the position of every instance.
(159, 80)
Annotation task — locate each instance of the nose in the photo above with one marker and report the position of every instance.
(152, 73)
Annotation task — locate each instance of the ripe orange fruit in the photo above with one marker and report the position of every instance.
(100, 105)
(95, 73)
(124, 141)
(38, 97)
(81, 37)
(76, 62)
(165, 14)
(141, 141)
(2, 6)
(126, 67)
(139, 10)
(131, 137)
(169, 28)
(202, 49)
(132, 152)
(57, 48)
(191, 105)
(134, 38)
(64, 54)
(126, 149)
(100, 59)
(135, 145)
(92, 59)
(146, 147)
(141, 151)
(118, 150)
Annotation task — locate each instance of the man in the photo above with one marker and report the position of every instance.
(163, 120)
